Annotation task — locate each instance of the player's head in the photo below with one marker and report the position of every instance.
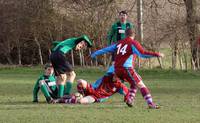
(48, 69)
(82, 44)
(130, 33)
(123, 15)
(81, 85)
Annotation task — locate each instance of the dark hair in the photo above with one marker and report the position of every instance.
(47, 65)
(129, 32)
(123, 12)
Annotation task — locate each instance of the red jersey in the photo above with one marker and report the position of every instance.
(107, 88)
(127, 50)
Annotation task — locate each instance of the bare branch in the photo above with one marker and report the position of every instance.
(177, 2)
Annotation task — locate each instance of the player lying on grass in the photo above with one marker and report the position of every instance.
(47, 84)
(126, 51)
(109, 84)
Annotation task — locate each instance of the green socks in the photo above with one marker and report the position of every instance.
(68, 88)
(61, 90)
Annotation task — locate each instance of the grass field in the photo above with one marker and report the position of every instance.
(177, 92)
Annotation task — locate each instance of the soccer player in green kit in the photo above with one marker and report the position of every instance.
(47, 83)
(63, 69)
(117, 31)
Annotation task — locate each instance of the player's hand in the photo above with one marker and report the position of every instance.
(161, 55)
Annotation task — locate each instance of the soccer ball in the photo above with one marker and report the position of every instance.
(78, 95)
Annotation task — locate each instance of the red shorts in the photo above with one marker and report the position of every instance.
(128, 74)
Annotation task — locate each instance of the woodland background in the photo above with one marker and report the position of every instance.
(28, 28)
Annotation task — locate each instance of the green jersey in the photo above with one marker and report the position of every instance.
(117, 31)
(68, 44)
(50, 81)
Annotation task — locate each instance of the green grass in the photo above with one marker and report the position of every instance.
(167, 60)
(176, 91)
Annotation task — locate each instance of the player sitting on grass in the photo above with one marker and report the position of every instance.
(126, 51)
(47, 84)
(101, 90)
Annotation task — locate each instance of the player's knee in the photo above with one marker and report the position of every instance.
(62, 79)
(72, 74)
(141, 84)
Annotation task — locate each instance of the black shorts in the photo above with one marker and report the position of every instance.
(60, 63)
(54, 94)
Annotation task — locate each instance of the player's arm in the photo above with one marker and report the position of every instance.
(110, 49)
(110, 35)
(135, 51)
(36, 90)
(139, 50)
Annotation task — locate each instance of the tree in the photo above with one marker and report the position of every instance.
(192, 30)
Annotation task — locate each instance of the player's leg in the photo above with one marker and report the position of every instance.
(74, 100)
(62, 67)
(68, 99)
(122, 89)
(61, 79)
(58, 61)
(87, 100)
(146, 95)
(54, 93)
(126, 74)
(143, 89)
(130, 97)
(45, 90)
(70, 79)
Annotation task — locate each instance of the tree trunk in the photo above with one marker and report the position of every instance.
(185, 59)
(39, 51)
(192, 30)
(81, 58)
(8, 56)
(140, 20)
(184, 55)
(89, 56)
(150, 63)
(72, 56)
(198, 58)
(180, 61)
(140, 23)
(174, 57)
(19, 53)
(160, 62)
